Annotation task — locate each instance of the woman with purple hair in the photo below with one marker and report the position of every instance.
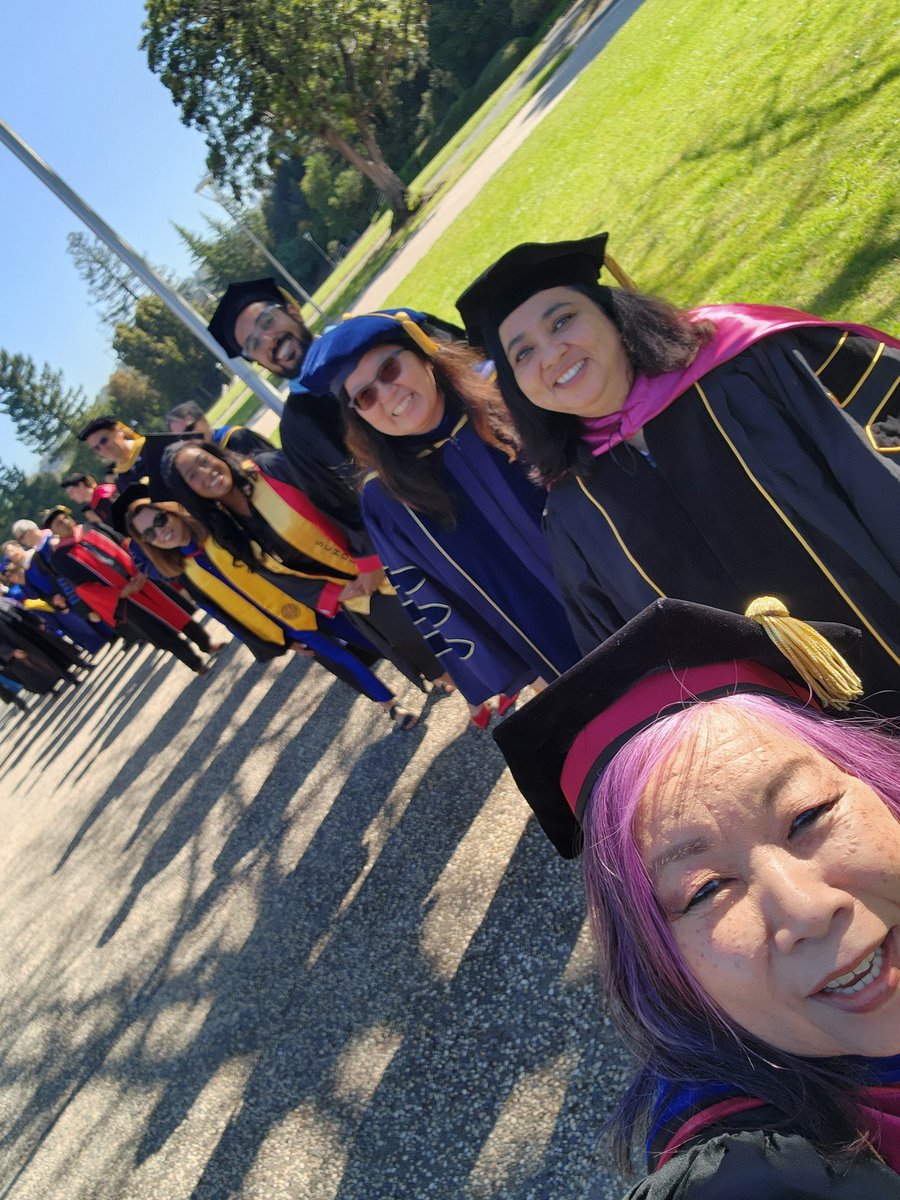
(742, 868)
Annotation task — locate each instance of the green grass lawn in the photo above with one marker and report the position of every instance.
(738, 152)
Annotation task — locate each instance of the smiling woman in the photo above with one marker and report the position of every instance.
(454, 517)
(710, 454)
(742, 869)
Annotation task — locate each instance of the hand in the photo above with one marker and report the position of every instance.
(133, 585)
(94, 617)
(304, 650)
(59, 601)
(19, 654)
(369, 582)
(350, 591)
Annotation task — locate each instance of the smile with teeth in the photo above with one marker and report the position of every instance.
(864, 973)
(402, 406)
(568, 376)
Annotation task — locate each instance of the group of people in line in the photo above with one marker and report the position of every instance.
(642, 513)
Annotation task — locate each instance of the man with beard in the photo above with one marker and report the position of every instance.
(261, 322)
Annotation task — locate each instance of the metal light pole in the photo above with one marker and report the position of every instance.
(210, 183)
(308, 237)
(179, 306)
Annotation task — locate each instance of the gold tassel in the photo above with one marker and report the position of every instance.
(831, 678)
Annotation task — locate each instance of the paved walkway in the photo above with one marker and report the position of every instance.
(587, 42)
(253, 944)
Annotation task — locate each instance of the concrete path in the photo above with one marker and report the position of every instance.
(253, 944)
(587, 41)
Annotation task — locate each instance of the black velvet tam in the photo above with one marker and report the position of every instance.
(522, 271)
(235, 299)
(668, 657)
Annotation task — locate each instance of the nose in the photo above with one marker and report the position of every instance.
(798, 902)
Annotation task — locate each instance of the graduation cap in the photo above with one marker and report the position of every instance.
(234, 300)
(73, 479)
(333, 356)
(668, 657)
(150, 463)
(124, 501)
(529, 268)
(58, 510)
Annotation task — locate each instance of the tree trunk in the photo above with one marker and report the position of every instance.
(374, 167)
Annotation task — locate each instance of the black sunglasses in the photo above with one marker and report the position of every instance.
(388, 372)
(160, 520)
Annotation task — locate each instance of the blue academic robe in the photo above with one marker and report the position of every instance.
(485, 584)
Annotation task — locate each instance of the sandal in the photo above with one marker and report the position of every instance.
(442, 688)
(403, 719)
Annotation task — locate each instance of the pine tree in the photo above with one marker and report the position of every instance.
(42, 409)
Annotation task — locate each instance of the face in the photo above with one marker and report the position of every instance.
(79, 493)
(190, 425)
(566, 354)
(110, 445)
(62, 526)
(160, 528)
(31, 537)
(205, 475)
(274, 336)
(14, 552)
(411, 403)
(780, 876)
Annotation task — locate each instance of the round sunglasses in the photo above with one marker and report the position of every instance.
(388, 372)
(160, 520)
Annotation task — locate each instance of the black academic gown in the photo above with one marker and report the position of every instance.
(755, 481)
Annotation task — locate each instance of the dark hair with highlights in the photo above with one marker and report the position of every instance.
(221, 524)
(169, 563)
(417, 481)
(657, 338)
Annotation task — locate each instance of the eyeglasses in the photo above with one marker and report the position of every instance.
(160, 521)
(262, 324)
(388, 372)
(100, 442)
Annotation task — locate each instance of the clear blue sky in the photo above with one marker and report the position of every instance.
(77, 89)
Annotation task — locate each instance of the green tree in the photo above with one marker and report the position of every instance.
(227, 253)
(164, 350)
(42, 409)
(130, 396)
(323, 69)
(338, 197)
(114, 288)
(23, 496)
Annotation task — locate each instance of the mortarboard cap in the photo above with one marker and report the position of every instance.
(234, 300)
(151, 460)
(333, 356)
(124, 501)
(522, 271)
(671, 655)
(73, 479)
(58, 510)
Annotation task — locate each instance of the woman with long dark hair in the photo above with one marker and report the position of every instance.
(451, 512)
(264, 616)
(709, 454)
(742, 866)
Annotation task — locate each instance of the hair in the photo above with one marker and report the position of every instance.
(657, 338)
(23, 526)
(189, 410)
(169, 563)
(677, 1033)
(224, 527)
(417, 481)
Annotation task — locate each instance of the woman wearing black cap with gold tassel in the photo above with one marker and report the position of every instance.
(742, 868)
(703, 455)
